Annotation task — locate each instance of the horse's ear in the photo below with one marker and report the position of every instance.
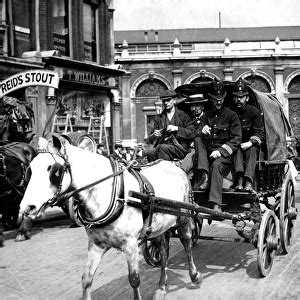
(56, 142)
(28, 153)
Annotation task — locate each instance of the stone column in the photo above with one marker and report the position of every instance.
(177, 80)
(126, 106)
(116, 121)
(278, 70)
(228, 74)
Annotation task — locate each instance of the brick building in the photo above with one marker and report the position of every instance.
(74, 38)
(268, 57)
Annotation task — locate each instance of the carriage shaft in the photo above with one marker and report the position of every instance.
(181, 205)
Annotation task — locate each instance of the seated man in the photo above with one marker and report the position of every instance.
(252, 137)
(221, 135)
(173, 131)
(196, 104)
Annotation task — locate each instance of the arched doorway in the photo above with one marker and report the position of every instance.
(294, 104)
(147, 93)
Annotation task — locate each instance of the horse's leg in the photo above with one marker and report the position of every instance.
(163, 245)
(185, 231)
(24, 231)
(131, 251)
(95, 254)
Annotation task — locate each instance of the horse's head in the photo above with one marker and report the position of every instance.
(49, 175)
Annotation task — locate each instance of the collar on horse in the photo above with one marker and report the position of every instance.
(18, 188)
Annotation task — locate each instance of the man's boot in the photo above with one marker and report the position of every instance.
(197, 180)
(239, 183)
(205, 181)
(248, 187)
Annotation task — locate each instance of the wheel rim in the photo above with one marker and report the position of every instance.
(267, 243)
(151, 253)
(287, 204)
(87, 143)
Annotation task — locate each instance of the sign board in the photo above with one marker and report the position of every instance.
(29, 78)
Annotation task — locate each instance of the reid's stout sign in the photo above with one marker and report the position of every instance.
(29, 78)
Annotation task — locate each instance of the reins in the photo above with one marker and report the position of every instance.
(67, 195)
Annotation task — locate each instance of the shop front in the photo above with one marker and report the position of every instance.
(85, 90)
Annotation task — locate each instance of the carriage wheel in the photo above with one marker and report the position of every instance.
(10, 218)
(151, 251)
(268, 242)
(197, 230)
(287, 215)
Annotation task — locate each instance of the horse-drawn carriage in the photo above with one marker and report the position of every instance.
(123, 206)
(271, 211)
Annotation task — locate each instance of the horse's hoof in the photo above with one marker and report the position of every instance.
(159, 294)
(21, 237)
(197, 278)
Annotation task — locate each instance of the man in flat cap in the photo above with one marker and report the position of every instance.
(253, 135)
(173, 131)
(220, 137)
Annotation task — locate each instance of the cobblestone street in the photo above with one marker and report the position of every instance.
(50, 266)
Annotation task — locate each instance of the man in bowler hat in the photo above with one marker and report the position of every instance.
(173, 131)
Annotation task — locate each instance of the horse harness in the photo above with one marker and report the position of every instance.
(117, 202)
(12, 152)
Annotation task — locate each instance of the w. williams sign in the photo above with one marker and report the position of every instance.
(29, 78)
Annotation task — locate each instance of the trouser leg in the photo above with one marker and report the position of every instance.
(250, 162)
(218, 169)
(201, 160)
(151, 154)
(169, 152)
(238, 161)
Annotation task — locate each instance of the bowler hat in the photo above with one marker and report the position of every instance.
(196, 99)
(167, 95)
(240, 88)
(217, 91)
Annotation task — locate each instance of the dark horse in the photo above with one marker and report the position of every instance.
(14, 160)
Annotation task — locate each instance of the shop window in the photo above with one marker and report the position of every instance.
(21, 21)
(60, 26)
(89, 29)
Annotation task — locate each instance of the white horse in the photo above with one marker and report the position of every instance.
(60, 167)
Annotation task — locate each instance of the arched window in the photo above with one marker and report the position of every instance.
(150, 88)
(259, 83)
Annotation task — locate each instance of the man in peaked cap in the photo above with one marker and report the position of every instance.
(252, 137)
(219, 138)
(173, 131)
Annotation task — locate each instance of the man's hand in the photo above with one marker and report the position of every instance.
(206, 130)
(215, 154)
(157, 132)
(246, 146)
(172, 128)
